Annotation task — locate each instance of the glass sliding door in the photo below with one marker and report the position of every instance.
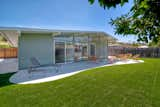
(92, 50)
(77, 51)
(84, 51)
(59, 52)
(81, 51)
(69, 49)
(69, 52)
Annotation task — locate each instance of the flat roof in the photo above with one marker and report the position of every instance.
(46, 30)
(41, 30)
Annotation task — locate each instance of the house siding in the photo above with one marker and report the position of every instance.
(35, 45)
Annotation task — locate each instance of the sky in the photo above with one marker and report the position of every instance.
(62, 14)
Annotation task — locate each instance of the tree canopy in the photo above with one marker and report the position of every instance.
(143, 19)
(109, 3)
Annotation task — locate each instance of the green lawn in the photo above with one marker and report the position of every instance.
(136, 85)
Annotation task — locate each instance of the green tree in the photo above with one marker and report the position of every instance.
(143, 20)
(109, 3)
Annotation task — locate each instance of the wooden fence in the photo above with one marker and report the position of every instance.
(143, 52)
(8, 52)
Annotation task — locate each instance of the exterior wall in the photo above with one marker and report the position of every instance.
(41, 46)
(35, 45)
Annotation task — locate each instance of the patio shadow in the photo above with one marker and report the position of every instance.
(4, 79)
(48, 73)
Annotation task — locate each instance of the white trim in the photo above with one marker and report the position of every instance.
(54, 55)
(65, 52)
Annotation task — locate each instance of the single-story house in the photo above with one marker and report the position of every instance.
(56, 46)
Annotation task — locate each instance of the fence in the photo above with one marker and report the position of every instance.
(143, 52)
(8, 52)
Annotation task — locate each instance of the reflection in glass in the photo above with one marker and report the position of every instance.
(78, 51)
(59, 52)
(84, 51)
(69, 52)
(92, 50)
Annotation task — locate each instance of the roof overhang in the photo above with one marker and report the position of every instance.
(54, 31)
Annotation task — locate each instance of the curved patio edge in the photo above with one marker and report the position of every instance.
(23, 77)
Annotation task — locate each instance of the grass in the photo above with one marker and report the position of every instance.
(136, 85)
(4, 43)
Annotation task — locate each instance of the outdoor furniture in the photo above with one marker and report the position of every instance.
(129, 56)
(123, 56)
(112, 59)
(34, 65)
(136, 57)
(92, 58)
(120, 56)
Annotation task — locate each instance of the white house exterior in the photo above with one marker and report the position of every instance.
(58, 46)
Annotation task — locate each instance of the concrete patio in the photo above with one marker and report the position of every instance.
(45, 74)
(8, 65)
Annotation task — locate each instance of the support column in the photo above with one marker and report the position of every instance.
(107, 51)
(73, 47)
(99, 47)
(65, 51)
(54, 56)
(88, 49)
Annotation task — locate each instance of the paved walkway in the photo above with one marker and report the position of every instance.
(8, 65)
(46, 74)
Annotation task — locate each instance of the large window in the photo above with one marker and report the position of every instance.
(59, 52)
(92, 50)
(70, 48)
(81, 51)
(77, 51)
(69, 52)
(84, 50)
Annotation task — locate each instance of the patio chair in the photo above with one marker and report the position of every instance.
(92, 59)
(129, 56)
(112, 59)
(122, 57)
(136, 57)
(34, 65)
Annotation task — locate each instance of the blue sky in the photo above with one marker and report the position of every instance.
(61, 14)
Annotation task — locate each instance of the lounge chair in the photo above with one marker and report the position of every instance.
(136, 57)
(129, 56)
(36, 64)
